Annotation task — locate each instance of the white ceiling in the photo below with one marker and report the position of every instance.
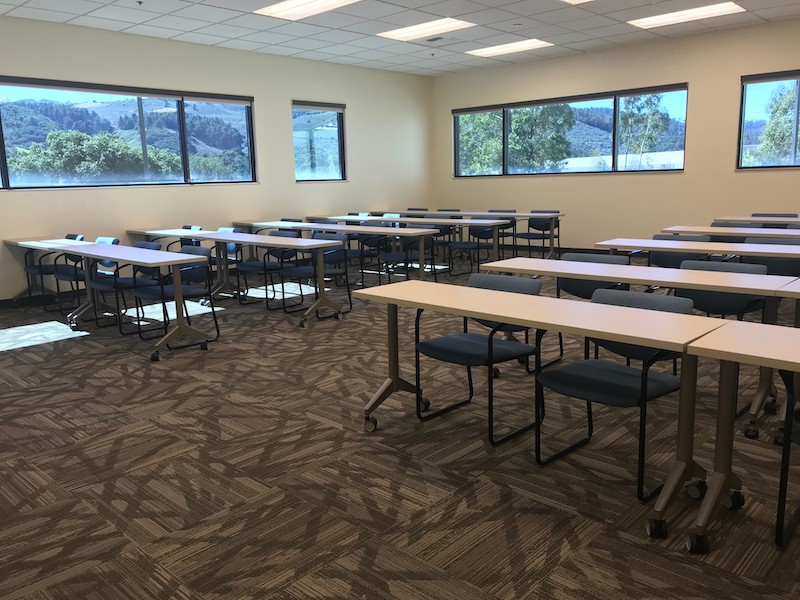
(347, 35)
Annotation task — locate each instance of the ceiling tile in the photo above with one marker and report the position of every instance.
(75, 7)
(279, 50)
(371, 9)
(408, 18)
(338, 36)
(259, 22)
(109, 24)
(453, 8)
(224, 30)
(298, 29)
(205, 12)
(306, 44)
(23, 12)
(488, 16)
(240, 45)
(240, 5)
(333, 19)
(199, 38)
(158, 6)
(121, 13)
(267, 37)
(180, 23)
(151, 31)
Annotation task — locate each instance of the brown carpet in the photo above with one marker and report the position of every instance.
(244, 472)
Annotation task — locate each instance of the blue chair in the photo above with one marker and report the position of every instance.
(479, 238)
(612, 383)
(472, 349)
(403, 257)
(266, 262)
(540, 229)
(69, 268)
(39, 268)
(506, 231)
(186, 241)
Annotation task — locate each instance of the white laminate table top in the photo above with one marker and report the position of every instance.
(33, 243)
(399, 231)
(491, 222)
(751, 343)
(770, 250)
(668, 331)
(765, 220)
(719, 281)
(479, 214)
(136, 256)
(744, 232)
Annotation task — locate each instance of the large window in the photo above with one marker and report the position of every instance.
(574, 135)
(768, 135)
(318, 133)
(56, 134)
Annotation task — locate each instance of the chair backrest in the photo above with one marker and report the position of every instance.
(73, 257)
(415, 208)
(190, 241)
(780, 215)
(730, 239)
(504, 283)
(74, 236)
(584, 288)
(146, 246)
(333, 256)
(109, 264)
(775, 266)
(480, 232)
(283, 253)
(543, 224)
(196, 272)
(508, 225)
(673, 304)
(673, 260)
(722, 303)
(231, 247)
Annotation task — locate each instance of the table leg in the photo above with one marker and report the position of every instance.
(684, 468)
(91, 303)
(766, 385)
(422, 257)
(394, 383)
(783, 531)
(181, 328)
(552, 250)
(722, 480)
(322, 298)
(495, 242)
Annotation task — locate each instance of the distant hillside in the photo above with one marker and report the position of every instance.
(29, 121)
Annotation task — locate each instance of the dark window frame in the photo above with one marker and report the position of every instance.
(179, 96)
(763, 78)
(615, 95)
(339, 109)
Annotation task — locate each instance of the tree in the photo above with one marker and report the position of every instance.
(480, 143)
(537, 142)
(641, 125)
(775, 142)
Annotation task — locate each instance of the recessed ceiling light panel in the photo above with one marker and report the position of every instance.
(683, 16)
(510, 48)
(423, 30)
(294, 10)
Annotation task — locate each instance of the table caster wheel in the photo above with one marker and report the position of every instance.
(495, 372)
(370, 424)
(771, 407)
(204, 346)
(338, 316)
(697, 543)
(302, 323)
(155, 356)
(751, 431)
(733, 500)
(424, 404)
(657, 528)
(697, 489)
(73, 325)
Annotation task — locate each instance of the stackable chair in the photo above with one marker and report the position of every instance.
(506, 231)
(539, 229)
(270, 262)
(730, 239)
(473, 349)
(612, 383)
(368, 247)
(404, 256)
(70, 268)
(477, 236)
(723, 303)
(673, 260)
(36, 269)
(117, 283)
(196, 283)
(774, 225)
(233, 251)
(584, 288)
(186, 241)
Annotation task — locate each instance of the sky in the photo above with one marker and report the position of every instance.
(10, 93)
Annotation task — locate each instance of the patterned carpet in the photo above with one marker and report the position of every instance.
(243, 472)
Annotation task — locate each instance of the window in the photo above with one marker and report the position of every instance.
(768, 135)
(574, 135)
(63, 135)
(479, 143)
(318, 133)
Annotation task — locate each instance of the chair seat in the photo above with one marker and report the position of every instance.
(43, 269)
(299, 272)
(68, 273)
(606, 382)
(471, 349)
(525, 235)
(153, 292)
(109, 284)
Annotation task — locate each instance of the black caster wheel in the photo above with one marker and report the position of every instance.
(777, 439)
(751, 431)
(657, 528)
(424, 404)
(370, 424)
(733, 500)
(302, 323)
(73, 325)
(697, 489)
(495, 372)
(771, 407)
(338, 316)
(697, 543)
(155, 356)
(204, 346)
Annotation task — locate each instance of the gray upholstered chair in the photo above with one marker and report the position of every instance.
(731, 239)
(723, 303)
(540, 228)
(612, 383)
(777, 265)
(673, 260)
(478, 349)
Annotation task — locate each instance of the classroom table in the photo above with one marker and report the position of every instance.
(144, 258)
(743, 232)
(725, 248)
(762, 220)
(48, 246)
(494, 223)
(362, 229)
(668, 331)
(221, 239)
(734, 344)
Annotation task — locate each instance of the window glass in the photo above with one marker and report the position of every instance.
(218, 140)
(651, 131)
(769, 134)
(318, 144)
(479, 143)
(67, 138)
(570, 137)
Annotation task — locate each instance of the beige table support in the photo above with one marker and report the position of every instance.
(301, 244)
(337, 228)
(145, 258)
(494, 223)
(667, 331)
(750, 343)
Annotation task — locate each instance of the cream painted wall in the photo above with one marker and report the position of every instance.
(602, 206)
(386, 121)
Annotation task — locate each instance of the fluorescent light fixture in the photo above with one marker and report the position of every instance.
(294, 10)
(510, 48)
(576, 1)
(693, 14)
(426, 29)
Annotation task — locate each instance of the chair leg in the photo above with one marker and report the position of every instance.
(493, 440)
(540, 412)
(643, 495)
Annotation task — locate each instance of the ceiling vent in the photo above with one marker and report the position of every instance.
(438, 38)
